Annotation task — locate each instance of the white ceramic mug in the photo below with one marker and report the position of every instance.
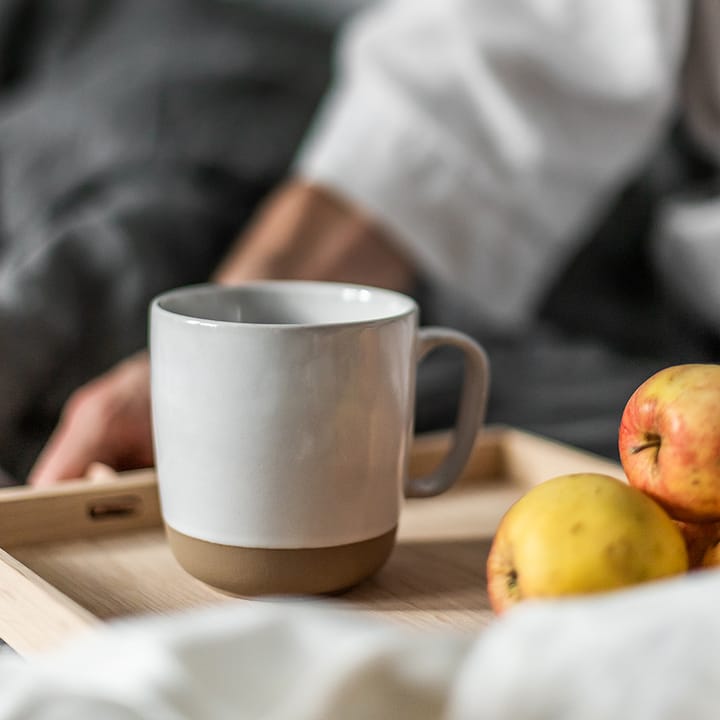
(283, 417)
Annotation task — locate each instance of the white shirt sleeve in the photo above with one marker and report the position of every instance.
(486, 135)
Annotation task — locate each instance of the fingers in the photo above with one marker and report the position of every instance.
(78, 441)
(99, 472)
(106, 421)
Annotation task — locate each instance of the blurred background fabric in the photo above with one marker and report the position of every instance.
(135, 140)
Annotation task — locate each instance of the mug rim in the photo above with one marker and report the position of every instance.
(408, 305)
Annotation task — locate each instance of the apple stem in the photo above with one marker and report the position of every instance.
(652, 442)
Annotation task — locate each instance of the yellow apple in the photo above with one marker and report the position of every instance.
(577, 534)
(669, 440)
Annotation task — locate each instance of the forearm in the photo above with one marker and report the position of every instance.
(305, 232)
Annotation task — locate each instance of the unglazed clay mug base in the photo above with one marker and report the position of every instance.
(282, 421)
(275, 571)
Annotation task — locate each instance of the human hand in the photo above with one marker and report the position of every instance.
(107, 421)
(303, 232)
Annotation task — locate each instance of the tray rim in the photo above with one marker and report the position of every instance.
(31, 516)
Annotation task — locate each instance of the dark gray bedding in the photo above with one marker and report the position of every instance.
(136, 137)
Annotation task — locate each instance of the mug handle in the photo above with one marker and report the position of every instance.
(471, 413)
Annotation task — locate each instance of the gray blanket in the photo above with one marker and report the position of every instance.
(136, 138)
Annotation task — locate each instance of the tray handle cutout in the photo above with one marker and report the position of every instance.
(114, 507)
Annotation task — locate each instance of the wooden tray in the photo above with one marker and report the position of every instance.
(88, 552)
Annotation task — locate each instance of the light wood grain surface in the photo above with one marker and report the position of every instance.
(89, 568)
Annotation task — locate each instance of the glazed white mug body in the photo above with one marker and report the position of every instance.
(282, 419)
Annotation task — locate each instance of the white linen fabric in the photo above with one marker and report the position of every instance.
(652, 652)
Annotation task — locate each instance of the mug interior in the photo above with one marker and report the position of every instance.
(286, 303)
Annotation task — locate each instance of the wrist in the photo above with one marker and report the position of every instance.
(307, 231)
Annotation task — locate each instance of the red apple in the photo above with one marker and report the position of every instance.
(669, 441)
(711, 559)
(699, 538)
